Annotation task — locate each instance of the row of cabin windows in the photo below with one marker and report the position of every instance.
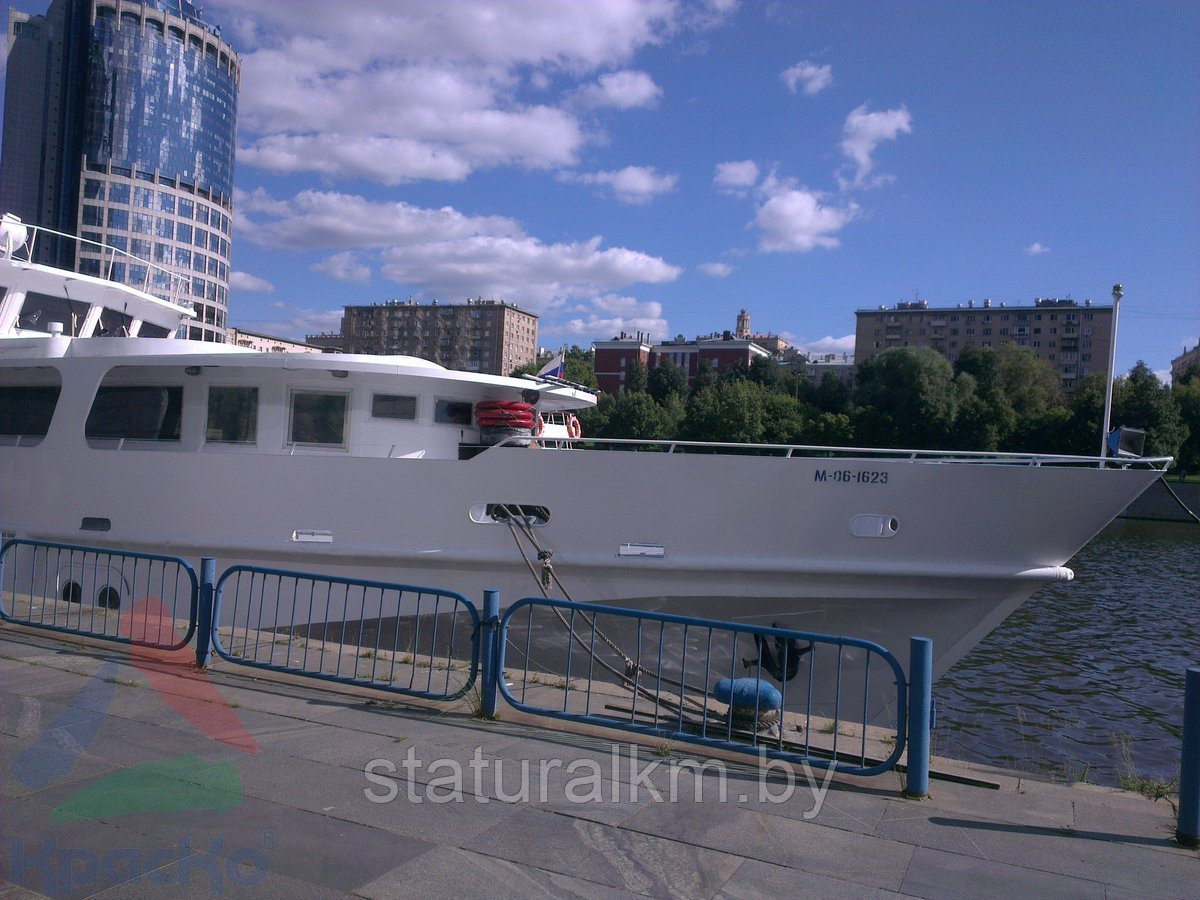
(155, 413)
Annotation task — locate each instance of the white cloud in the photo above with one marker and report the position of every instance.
(444, 253)
(633, 184)
(716, 269)
(794, 219)
(827, 344)
(277, 304)
(1036, 249)
(243, 281)
(304, 322)
(398, 91)
(736, 177)
(862, 133)
(344, 267)
(610, 314)
(627, 89)
(812, 77)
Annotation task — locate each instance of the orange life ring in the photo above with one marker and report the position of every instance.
(539, 425)
(574, 429)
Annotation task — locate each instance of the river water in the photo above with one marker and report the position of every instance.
(1086, 666)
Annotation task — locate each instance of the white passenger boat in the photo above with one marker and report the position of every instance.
(116, 433)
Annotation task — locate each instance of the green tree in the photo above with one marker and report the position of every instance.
(636, 378)
(765, 371)
(1186, 392)
(905, 398)
(1141, 400)
(784, 421)
(637, 415)
(706, 377)
(832, 395)
(667, 380)
(731, 411)
(829, 430)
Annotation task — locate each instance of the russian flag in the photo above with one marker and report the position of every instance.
(556, 368)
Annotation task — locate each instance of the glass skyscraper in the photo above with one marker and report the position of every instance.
(120, 121)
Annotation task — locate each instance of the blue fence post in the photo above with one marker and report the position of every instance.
(488, 657)
(920, 691)
(204, 610)
(1188, 832)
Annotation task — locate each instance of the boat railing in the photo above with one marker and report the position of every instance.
(976, 457)
(143, 274)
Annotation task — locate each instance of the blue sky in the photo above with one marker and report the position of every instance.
(657, 166)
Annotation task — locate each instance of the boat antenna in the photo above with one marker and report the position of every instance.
(1117, 293)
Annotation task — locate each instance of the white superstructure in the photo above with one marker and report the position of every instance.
(377, 467)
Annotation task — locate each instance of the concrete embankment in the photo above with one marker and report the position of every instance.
(130, 778)
(1167, 501)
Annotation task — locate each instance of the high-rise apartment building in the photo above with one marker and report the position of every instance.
(1073, 337)
(476, 336)
(119, 126)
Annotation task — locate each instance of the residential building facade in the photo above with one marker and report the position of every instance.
(119, 127)
(1184, 361)
(716, 352)
(1073, 337)
(477, 336)
(613, 359)
(266, 343)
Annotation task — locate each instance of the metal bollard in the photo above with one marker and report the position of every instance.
(204, 611)
(1188, 832)
(489, 659)
(920, 690)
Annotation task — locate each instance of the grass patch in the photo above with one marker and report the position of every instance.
(1130, 780)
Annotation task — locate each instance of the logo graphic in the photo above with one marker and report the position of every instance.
(173, 785)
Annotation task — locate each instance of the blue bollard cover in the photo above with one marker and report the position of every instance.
(748, 692)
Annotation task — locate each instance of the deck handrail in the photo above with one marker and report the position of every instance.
(179, 284)
(813, 450)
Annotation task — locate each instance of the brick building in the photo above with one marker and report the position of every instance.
(717, 351)
(476, 336)
(1073, 337)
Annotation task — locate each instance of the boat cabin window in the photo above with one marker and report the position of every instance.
(318, 419)
(27, 401)
(452, 412)
(393, 406)
(136, 413)
(39, 310)
(232, 414)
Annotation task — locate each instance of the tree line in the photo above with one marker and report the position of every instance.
(1003, 399)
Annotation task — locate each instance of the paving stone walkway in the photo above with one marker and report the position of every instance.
(130, 780)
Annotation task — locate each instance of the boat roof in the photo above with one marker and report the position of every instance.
(93, 291)
(134, 351)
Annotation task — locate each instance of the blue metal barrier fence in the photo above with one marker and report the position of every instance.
(132, 598)
(1188, 830)
(418, 641)
(791, 695)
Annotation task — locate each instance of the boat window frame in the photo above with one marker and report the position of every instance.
(416, 406)
(175, 399)
(41, 384)
(441, 407)
(293, 393)
(255, 419)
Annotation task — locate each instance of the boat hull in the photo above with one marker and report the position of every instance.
(877, 548)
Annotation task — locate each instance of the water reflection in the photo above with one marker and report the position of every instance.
(1086, 665)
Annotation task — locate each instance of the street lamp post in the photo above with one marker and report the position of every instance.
(1117, 293)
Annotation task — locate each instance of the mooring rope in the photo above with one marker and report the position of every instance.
(632, 667)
